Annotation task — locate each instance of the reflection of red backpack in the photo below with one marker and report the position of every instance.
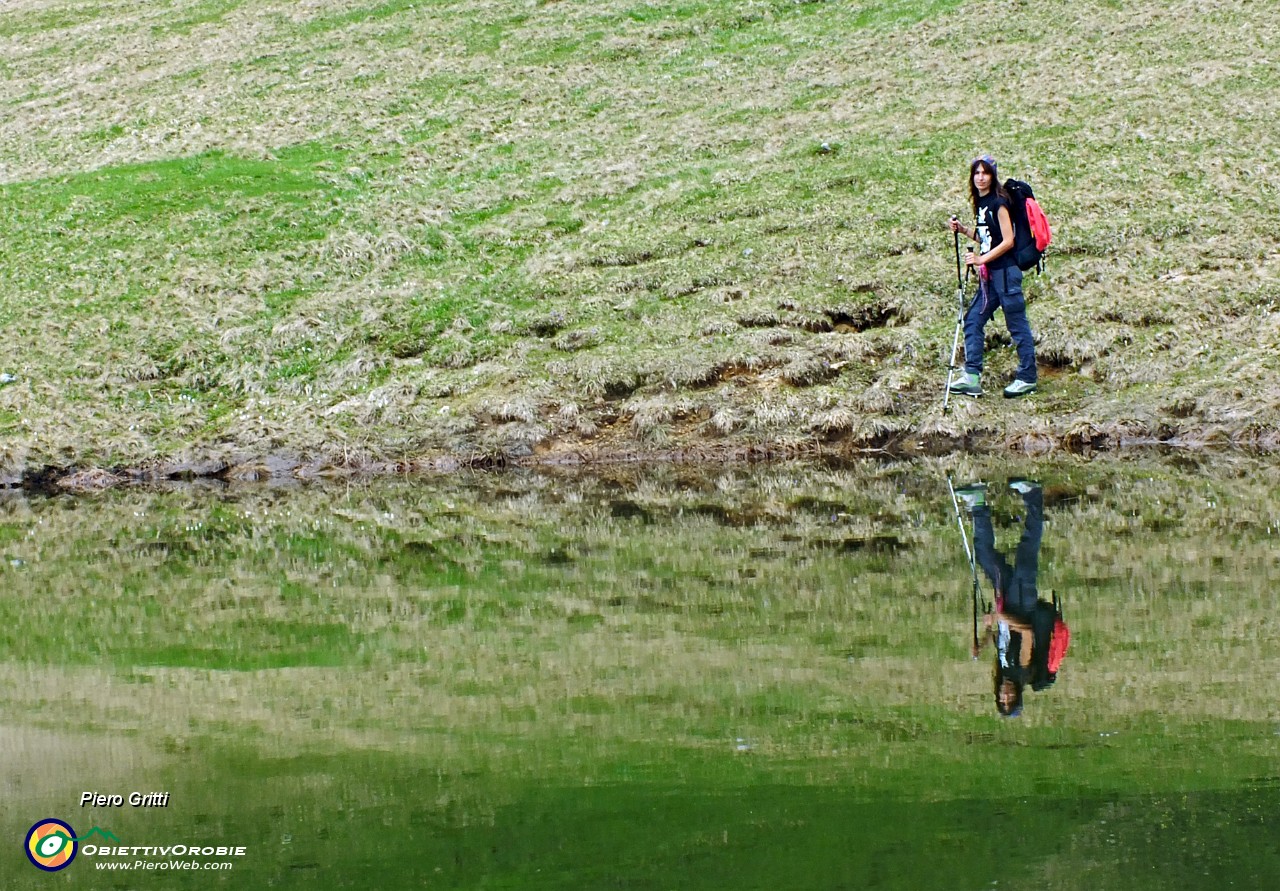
(1058, 642)
(1052, 636)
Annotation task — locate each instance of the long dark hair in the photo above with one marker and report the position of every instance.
(1015, 676)
(996, 188)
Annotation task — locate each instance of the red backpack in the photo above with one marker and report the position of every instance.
(1039, 225)
(1031, 232)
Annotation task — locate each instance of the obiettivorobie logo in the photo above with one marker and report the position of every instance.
(51, 845)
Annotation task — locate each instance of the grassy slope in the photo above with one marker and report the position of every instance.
(359, 231)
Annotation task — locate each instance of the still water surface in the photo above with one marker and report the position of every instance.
(733, 678)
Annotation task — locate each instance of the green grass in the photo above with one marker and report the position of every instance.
(192, 16)
(67, 15)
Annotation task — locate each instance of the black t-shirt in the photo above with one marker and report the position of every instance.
(987, 226)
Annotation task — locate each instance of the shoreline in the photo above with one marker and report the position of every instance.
(1085, 441)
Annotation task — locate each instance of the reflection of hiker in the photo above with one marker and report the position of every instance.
(1023, 626)
(999, 283)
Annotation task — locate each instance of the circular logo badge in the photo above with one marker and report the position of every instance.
(51, 845)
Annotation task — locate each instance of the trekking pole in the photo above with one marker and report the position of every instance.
(975, 621)
(956, 236)
(968, 552)
(955, 340)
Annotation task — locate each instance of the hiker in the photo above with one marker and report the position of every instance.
(999, 283)
(1019, 625)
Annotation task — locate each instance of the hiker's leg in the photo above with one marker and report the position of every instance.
(1026, 563)
(980, 312)
(1015, 317)
(993, 565)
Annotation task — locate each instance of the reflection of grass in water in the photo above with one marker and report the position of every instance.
(251, 645)
(818, 613)
(637, 817)
(774, 836)
(692, 648)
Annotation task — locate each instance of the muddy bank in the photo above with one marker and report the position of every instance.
(285, 467)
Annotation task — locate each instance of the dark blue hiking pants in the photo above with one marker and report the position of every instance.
(1002, 290)
(1016, 583)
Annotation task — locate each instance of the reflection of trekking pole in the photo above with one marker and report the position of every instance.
(973, 564)
(955, 340)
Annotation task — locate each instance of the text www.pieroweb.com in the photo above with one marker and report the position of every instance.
(163, 864)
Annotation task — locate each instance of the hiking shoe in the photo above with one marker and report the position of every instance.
(1023, 487)
(1019, 388)
(966, 385)
(973, 495)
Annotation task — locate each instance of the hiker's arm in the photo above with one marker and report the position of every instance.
(1006, 244)
(988, 635)
(971, 234)
(1014, 623)
(1023, 628)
